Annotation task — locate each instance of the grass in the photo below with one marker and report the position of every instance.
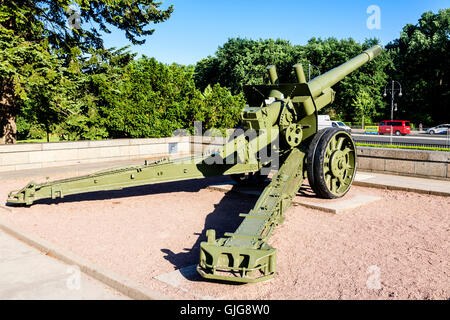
(401, 147)
(42, 140)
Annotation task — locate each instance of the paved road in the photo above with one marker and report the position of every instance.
(413, 139)
(27, 273)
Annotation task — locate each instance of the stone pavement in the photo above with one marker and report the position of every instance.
(396, 182)
(27, 273)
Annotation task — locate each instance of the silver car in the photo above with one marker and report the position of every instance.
(340, 124)
(440, 129)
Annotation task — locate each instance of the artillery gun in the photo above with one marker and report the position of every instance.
(279, 130)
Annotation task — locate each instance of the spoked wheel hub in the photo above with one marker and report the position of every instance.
(331, 163)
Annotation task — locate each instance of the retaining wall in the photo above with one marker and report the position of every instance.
(56, 154)
(419, 163)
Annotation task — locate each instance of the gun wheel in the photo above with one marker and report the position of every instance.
(333, 163)
(311, 156)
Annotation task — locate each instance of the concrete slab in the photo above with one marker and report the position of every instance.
(180, 278)
(27, 273)
(80, 267)
(326, 205)
(362, 176)
(404, 183)
(338, 205)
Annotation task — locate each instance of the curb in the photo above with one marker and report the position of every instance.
(123, 285)
(356, 183)
(397, 188)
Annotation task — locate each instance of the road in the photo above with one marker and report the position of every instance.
(414, 139)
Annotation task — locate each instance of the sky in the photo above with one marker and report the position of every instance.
(198, 27)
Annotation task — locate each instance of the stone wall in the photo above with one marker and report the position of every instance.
(57, 154)
(419, 163)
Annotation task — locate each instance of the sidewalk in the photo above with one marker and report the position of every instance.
(397, 182)
(27, 273)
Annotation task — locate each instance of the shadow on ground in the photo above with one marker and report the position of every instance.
(166, 187)
(224, 218)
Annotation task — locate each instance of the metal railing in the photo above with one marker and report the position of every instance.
(435, 141)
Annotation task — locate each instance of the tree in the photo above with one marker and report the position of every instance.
(242, 61)
(43, 25)
(364, 107)
(121, 97)
(370, 78)
(218, 108)
(29, 74)
(422, 59)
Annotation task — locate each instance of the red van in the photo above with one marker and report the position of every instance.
(399, 127)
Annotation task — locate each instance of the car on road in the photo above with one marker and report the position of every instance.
(440, 129)
(340, 124)
(324, 121)
(397, 127)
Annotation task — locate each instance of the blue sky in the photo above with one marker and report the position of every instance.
(198, 27)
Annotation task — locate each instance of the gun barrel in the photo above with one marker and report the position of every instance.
(330, 78)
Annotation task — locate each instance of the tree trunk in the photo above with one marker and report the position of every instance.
(8, 128)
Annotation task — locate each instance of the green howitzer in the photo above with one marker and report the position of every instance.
(279, 132)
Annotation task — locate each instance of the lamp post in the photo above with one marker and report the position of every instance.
(311, 66)
(392, 92)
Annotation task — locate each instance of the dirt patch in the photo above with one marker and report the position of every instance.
(394, 248)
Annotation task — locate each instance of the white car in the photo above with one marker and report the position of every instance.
(340, 124)
(440, 129)
(324, 121)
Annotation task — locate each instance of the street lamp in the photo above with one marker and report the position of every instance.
(392, 92)
(311, 66)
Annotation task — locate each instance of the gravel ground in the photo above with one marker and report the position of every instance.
(394, 248)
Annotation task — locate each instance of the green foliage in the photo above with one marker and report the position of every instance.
(241, 61)
(370, 78)
(120, 97)
(32, 79)
(71, 26)
(40, 43)
(364, 107)
(218, 108)
(422, 59)
(149, 99)
(401, 147)
(62, 81)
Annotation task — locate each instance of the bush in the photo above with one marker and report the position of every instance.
(146, 98)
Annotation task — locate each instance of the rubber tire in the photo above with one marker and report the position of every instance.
(319, 180)
(397, 133)
(432, 132)
(311, 157)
